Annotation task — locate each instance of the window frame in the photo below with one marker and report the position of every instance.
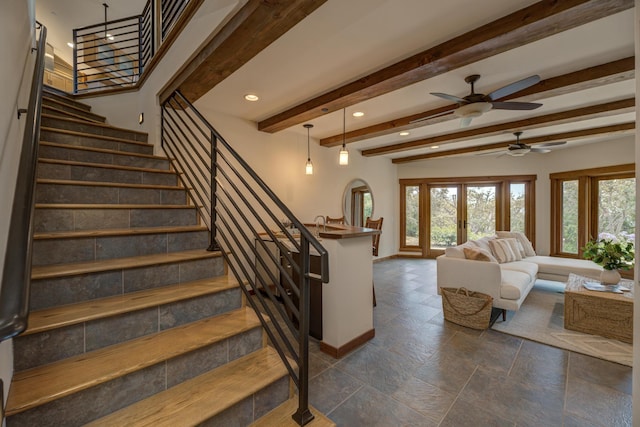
(588, 180)
(503, 197)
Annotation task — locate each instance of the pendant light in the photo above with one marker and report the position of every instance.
(309, 167)
(343, 159)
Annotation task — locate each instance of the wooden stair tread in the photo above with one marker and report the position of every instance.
(63, 114)
(73, 269)
(37, 386)
(102, 150)
(109, 232)
(108, 184)
(105, 166)
(101, 125)
(61, 316)
(65, 99)
(107, 206)
(194, 401)
(50, 99)
(281, 417)
(92, 135)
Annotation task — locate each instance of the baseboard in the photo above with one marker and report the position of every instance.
(343, 350)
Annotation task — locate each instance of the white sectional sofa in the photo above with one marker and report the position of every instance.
(507, 282)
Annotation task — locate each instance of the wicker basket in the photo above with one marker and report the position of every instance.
(466, 308)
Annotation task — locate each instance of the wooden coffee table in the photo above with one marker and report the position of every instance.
(599, 313)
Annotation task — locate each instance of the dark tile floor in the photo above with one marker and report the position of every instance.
(422, 371)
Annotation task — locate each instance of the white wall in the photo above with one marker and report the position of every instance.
(619, 151)
(16, 69)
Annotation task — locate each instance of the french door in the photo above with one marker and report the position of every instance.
(461, 212)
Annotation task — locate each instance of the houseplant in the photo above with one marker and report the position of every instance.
(612, 253)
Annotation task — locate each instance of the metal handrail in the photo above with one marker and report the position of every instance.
(16, 275)
(243, 212)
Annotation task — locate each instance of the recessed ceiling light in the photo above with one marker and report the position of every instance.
(433, 147)
(358, 114)
(404, 133)
(70, 45)
(251, 97)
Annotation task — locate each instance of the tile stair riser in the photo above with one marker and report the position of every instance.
(87, 405)
(122, 159)
(259, 404)
(86, 194)
(66, 112)
(63, 219)
(52, 93)
(95, 142)
(63, 171)
(60, 251)
(51, 122)
(47, 293)
(57, 344)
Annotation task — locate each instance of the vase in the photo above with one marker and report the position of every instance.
(610, 277)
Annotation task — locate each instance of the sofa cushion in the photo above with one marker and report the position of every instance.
(529, 268)
(563, 266)
(514, 284)
(526, 244)
(478, 254)
(501, 249)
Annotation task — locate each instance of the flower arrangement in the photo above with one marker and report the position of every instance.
(611, 252)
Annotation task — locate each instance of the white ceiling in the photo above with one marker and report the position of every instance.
(347, 39)
(343, 40)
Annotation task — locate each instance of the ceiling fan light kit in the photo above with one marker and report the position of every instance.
(476, 104)
(473, 110)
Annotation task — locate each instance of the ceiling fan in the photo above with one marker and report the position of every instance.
(519, 149)
(476, 104)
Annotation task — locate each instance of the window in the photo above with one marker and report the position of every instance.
(411, 209)
(586, 203)
(461, 209)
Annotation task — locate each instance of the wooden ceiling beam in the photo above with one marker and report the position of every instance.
(524, 26)
(583, 113)
(622, 128)
(254, 27)
(599, 75)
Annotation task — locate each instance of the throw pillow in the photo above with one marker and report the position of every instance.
(526, 244)
(501, 249)
(514, 247)
(484, 242)
(479, 254)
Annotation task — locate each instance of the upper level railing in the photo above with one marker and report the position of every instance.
(16, 275)
(243, 215)
(116, 53)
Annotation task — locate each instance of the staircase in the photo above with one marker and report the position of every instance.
(132, 321)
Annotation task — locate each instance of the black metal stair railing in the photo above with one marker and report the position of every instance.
(243, 214)
(16, 274)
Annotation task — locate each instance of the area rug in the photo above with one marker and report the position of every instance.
(541, 319)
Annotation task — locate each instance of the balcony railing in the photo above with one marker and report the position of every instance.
(115, 54)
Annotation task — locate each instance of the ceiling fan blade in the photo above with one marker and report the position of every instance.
(515, 105)
(540, 150)
(421, 119)
(465, 122)
(449, 97)
(514, 87)
(551, 144)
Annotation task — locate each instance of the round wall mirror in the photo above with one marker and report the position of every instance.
(357, 202)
